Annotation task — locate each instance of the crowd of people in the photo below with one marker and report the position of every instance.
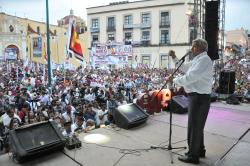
(79, 101)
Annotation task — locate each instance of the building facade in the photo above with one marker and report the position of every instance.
(21, 38)
(152, 27)
(238, 37)
(80, 24)
(237, 44)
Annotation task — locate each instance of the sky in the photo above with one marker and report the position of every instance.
(236, 16)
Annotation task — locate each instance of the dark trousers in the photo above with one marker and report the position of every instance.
(198, 109)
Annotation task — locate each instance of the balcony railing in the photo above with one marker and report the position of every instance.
(145, 42)
(128, 26)
(162, 43)
(111, 29)
(94, 30)
(131, 26)
(165, 24)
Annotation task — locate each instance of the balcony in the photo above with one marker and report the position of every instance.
(111, 29)
(145, 42)
(128, 26)
(165, 24)
(94, 43)
(145, 25)
(164, 43)
(94, 30)
(131, 26)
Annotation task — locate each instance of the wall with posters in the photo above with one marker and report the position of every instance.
(102, 55)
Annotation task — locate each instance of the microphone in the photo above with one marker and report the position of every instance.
(188, 53)
(183, 58)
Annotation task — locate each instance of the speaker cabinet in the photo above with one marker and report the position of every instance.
(35, 140)
(212, 28)
(179, 104)
(129, 115)
(227, 82)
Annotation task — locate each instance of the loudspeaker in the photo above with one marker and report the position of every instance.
(212, 28)
(129, 115)
(35, 140)
(227, 82)
(179, 104)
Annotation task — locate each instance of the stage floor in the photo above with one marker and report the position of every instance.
(112, 146)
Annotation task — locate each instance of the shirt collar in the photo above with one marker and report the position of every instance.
(200, 55)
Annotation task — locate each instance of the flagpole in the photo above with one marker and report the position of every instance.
(48, 46)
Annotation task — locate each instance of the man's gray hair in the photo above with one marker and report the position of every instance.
(201, 43)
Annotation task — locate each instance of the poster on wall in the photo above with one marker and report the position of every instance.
(112, 50)
(37, 46)
(109, 60)
(10, 53)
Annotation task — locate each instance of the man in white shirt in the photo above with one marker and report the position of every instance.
(8, 117)
(79, 125)
(197, 82)
(68, 115)
(102, 116)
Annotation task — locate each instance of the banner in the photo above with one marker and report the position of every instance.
(37, 46)
(10, 53)
(110, 60)
(113, 50)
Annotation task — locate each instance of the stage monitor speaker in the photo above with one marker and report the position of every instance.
(227, 82)
(129, 115)
(35, 140)
(179, 104)
(212, 28)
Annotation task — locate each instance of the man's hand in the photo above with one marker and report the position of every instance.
(172, 54)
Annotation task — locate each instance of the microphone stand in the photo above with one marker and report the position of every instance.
(170, 148)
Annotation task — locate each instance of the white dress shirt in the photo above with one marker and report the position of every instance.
(74, 126)
(198, 75)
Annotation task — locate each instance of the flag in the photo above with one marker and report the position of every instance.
(74, 43)
(45, 57)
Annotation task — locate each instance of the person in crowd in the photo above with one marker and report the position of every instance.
(89, 115)
(67, 132)
(103, 116)
(197, 82)
(79, 125)
(68, 115)
(111, 105)
(10, 117)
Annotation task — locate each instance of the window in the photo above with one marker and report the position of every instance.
(128, 38)
(95, 23)
(38, 30)
(145, 36)
(82, 30)
(164, 38)
(111, 37)
(146, 18)
(128, 35)
(111, 22)
(95, 38)
(128, 20)
(146, 59)
(164, 18)
(130, 60)
(164, 61)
